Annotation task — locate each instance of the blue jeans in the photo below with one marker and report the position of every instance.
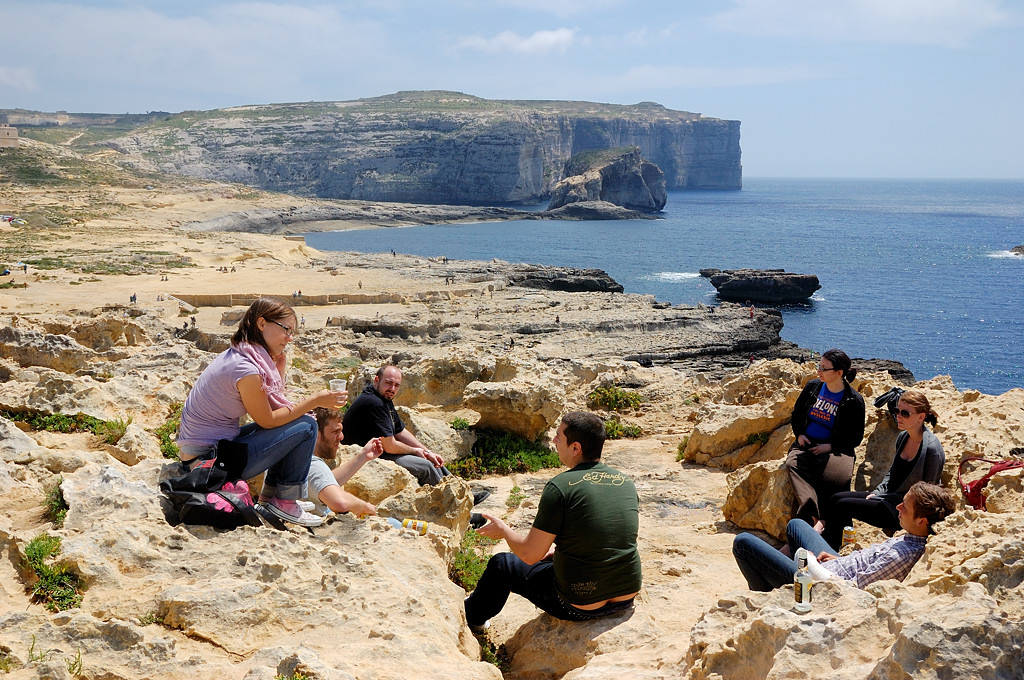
(284, 452)
(507, 574)
(764, 567)
(420, 468)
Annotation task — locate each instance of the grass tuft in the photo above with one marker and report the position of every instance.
(55, 508)
(614, 398)
(165, 433)
(613, 429)
(57, 588)
(681, 449)
(470, 562)
(111, 431)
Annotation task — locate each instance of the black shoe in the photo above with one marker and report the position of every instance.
(480, 496)
(476, 520)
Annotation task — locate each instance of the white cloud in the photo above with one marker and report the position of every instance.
(948, 23)
(18, 78)
(541, 42)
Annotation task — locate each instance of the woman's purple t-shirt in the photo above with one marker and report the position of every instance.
(214, 406)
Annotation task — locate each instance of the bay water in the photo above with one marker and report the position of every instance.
(914, 270)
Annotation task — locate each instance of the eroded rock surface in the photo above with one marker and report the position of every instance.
(774, 286)
(617, 176)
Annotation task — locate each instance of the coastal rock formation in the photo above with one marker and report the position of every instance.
(774, 286)
(619, 176)
(1017, 250)
(430, 147)
(359, 599)
(565, 279)
(593, 211)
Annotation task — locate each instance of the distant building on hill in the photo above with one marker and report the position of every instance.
(8, 136)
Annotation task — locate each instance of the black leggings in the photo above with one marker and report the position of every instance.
(846, 506)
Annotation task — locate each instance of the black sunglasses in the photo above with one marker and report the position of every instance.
(904, 412)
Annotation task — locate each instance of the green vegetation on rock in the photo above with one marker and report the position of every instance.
(502, 453)
(56, 588)
(612, 398)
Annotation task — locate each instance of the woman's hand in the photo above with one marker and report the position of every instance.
(333, 399)
(803, 442)
(821, 449)
(281, 361)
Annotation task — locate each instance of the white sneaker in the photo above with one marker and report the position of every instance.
(290, 511)
(306, 506)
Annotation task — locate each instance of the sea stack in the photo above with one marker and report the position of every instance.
(775, 286)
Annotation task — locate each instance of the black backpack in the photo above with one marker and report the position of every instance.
(213, 493)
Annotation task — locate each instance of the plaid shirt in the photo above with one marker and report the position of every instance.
(892, 559)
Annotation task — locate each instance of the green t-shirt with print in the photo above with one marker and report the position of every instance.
(594, 513)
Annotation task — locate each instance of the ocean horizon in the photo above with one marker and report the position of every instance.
(919, 271)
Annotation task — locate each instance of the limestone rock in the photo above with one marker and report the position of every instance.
(774, 286)
(238, 601)
(31, 348)
(101, 333)
(1005, 492)
(528, 405)
(595, 211)
(729, 436)
(618, 176)
(13, 441)
(136, 444)
(378, 479)
(564, 279)
(958, 614)
(438, 436)
(760, 497)
(446, 506)
(546, 647)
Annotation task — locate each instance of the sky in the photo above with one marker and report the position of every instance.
(823, 88)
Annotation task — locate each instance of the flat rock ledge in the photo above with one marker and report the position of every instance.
(775, 286)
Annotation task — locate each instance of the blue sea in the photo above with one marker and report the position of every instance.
(914, 270)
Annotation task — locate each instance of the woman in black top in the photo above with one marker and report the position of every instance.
(919, 458)
(828, 421)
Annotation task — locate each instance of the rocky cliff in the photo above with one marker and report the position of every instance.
(430, 147)
(619, 176)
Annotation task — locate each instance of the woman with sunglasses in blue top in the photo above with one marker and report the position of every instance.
(919, 458)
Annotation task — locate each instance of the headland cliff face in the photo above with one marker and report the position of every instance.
(430, 147)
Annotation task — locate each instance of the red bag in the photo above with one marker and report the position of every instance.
(972, 490)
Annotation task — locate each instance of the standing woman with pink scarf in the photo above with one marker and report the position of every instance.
(247, 378)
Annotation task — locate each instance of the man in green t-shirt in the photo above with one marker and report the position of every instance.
(579, 561)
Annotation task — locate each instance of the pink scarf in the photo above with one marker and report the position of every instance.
(273, 385)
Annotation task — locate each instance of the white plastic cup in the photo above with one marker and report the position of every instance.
(338, 385)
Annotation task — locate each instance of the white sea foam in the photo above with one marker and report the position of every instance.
(1002, 254)
(673, 277)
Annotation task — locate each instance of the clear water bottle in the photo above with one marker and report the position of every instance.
(801, 583)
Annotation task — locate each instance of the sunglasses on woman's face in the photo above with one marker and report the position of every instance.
(904, 413)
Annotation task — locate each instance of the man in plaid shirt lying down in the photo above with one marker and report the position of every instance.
(766, 568)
